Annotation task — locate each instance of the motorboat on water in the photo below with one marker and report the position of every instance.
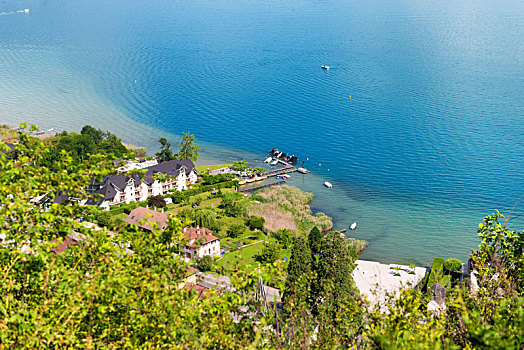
(353, 226)
(268, 160)
(275, 162)
(303, 170)
(328, 184)
(324, 67)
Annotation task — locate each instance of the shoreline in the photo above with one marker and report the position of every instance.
(340, 203)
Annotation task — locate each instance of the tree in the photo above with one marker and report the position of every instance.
(230, 207)
(315, 239)
(259, 170)
(240, 165)
(156, 201)
(106, 289)
(104, 219)
(204, 263)
(236, 230)
(188, 148)
(165, 153)
(256, 222)
(334, 266)
(299, 265)
(285, 238)
(270, 252)
(452, 265)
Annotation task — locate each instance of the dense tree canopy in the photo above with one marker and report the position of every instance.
(80, 145)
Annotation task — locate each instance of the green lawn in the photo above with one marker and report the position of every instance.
(245, 257)
(204, 168)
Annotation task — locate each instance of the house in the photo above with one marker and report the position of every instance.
(147, 219)
(190, 278)
(122, 188)
(201, 242)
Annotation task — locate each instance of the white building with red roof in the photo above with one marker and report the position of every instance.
(200, 242)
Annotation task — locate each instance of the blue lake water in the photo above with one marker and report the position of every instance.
(419, 123)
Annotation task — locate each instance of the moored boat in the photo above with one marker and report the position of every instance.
(324, 67)
(275, 162)
(353, 226)
(328, 184)
(303, 170)
(268, 160)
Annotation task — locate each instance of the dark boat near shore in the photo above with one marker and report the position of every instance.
(275, 153)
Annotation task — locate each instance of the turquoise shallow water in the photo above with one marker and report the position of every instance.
(431, 140)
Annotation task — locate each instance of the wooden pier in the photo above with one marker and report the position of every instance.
(288, 168)
(255, 188)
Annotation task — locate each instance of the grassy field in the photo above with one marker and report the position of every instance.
(204, 168)
(245, 257)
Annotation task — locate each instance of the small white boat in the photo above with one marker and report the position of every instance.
(268, 160)
(328, 184)
(353, 226)
(303, 170)
(275, 162)
(324, 67)
(26, 10)
(285, 176)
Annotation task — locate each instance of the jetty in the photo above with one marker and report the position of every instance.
(258, 187)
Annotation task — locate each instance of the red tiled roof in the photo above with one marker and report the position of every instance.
(67, 242)
(140, 214)
(202, 235)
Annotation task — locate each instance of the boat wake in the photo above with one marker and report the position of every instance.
(13, 12)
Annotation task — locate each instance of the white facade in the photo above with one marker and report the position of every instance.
(140, 191)
(210, 248)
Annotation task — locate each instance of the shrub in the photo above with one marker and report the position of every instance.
(256, 222)
(270, 253)
(236, 230)
(204, 263)
(453, 265)
(284, 237)
(157, 201)
(104, 218)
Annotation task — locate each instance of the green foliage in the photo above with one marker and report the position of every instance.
(97, 293)
(214, 179)
(188, 148)
(259, 170)
(256, 222)
(504, 249)
(315, 240)
(437, 273)
(299, 265)
(240, 165)
(285, 238)
(204, 263)
(156, 201)
(236, 230)
(103, 218)
(81, 146)
(231, 208)
(453, 265)
(165, 153)
(334, 267)
(270, 252)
